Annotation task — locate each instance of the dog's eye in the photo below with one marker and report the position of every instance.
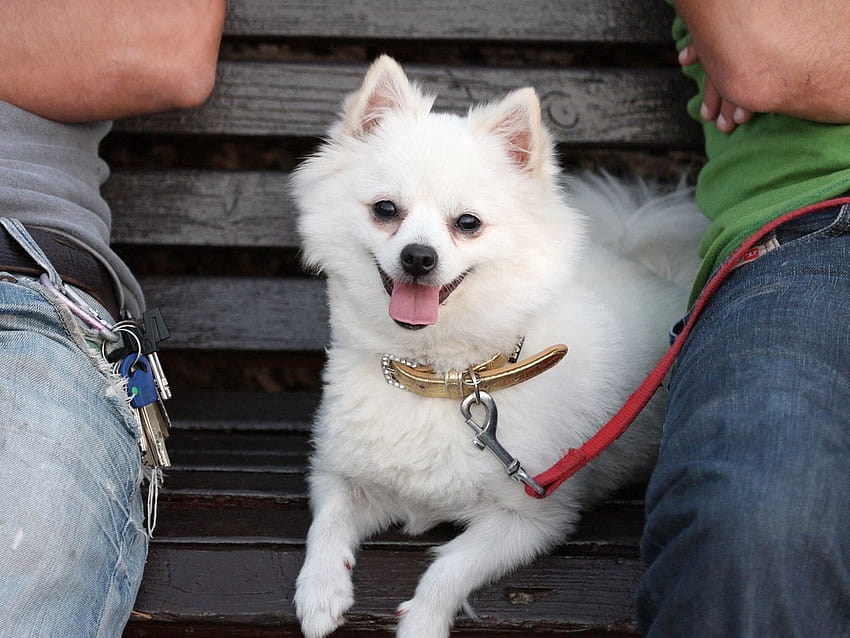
(385, 210)
(467, 223)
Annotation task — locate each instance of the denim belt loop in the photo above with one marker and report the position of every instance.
(20, 234)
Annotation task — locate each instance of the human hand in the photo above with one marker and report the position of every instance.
(724, 113)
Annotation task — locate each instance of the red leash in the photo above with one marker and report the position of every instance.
(577, 458)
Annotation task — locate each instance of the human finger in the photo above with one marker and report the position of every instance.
(711, 102)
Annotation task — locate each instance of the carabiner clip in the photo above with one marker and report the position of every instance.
(485, 436)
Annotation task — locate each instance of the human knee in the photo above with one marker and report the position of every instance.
(726, 556)
(742, 506)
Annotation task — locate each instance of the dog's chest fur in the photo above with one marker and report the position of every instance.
(413, 449)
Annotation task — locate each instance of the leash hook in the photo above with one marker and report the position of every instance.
(485, 436)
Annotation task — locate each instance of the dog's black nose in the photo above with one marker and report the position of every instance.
(418, 259)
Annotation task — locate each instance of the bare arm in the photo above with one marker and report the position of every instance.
(78, 60)
(776, 56)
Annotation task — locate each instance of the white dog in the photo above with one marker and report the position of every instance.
(446, 241)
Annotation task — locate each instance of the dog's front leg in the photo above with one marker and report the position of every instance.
(492, 545)
(342, 516)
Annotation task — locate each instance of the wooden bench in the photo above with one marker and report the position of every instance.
(202, 215)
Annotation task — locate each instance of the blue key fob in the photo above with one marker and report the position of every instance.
(141, 387)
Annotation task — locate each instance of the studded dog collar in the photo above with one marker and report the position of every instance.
(497, 373)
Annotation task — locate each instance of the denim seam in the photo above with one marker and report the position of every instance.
(838, 227)
(119, 577)
(841, 225)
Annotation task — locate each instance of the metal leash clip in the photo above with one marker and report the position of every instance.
(485, 435)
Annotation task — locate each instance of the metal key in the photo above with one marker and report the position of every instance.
(150, 412)
(155, 332)
(159, 376)
(485, 436)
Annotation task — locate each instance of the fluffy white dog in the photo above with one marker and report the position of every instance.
(447, 241)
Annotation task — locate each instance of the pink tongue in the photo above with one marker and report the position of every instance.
(415, 304)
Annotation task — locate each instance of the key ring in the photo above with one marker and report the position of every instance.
(125, 327)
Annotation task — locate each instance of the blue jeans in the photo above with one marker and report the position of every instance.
(748, 509)
(72, 541)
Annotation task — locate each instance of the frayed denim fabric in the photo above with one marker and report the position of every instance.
(748, 509)
(72, 540)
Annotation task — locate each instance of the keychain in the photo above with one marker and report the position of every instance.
(148, 408)
(137, 361)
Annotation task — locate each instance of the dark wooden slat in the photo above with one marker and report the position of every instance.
(224, 451)
(614, 21)
(158, 629)
(236, 486)
(241, 313)
(245, 411)
(613, 529)
(201, 208)
(229, 543)
(256, 585)
(259, 465)
(233, 488)
(581, 106)
(224, 512)
(256, 526)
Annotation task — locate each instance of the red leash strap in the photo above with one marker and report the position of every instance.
(577, 458)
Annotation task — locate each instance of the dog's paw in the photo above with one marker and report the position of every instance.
(416, 621)
(322, 596)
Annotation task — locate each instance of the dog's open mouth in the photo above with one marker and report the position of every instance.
(414, 306)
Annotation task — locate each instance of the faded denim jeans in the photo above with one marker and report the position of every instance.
(748, 510)
(72, 541)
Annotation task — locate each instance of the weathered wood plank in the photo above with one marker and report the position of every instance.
(612, 21)
(236, 486)
(252, 524)
(241, 313)
(612, 530)
(256, 585)
(250, 487)
(224, 451)
(159, 629)
(581, 106)
(201, 208)
(240, 411)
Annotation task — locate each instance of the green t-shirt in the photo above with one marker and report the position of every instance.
(772, 165)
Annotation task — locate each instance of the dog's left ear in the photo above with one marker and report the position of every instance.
(385, 90)
(516, 120)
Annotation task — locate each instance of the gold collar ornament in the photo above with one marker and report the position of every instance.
(499, 372)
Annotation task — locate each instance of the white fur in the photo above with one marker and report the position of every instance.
(383, 455)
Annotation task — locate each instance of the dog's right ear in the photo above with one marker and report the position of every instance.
(516, 121)
(385, 90)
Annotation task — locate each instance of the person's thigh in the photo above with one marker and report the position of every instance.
(748, 509)
(72, 543)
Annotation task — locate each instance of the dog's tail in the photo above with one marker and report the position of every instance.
(641, 220)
